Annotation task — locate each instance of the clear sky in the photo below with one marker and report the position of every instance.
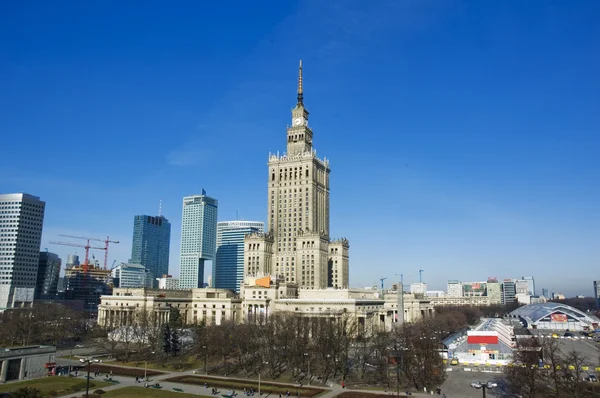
(463, 135)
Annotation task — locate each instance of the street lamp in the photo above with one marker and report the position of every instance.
(88, 361)
(266, 363)
(483, 386)
(205, 359)
(308, 371)
(145, 368)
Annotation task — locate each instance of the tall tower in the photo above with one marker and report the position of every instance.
(298, 204)
(151, 243)
(228, 269)
(198, 238)
(21, 227)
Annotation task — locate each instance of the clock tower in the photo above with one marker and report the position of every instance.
(299, 135)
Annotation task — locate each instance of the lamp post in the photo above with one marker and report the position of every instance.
(266, 363)
(88, 361)
(145, 369)
(483, 386)
(205, 359)
(308, 370)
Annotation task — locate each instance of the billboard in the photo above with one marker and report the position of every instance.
(560, 318)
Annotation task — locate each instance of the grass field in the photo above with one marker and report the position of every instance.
(59, 384)
(144, 392)
(237, 384)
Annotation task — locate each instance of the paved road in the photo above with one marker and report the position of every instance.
(458, 384)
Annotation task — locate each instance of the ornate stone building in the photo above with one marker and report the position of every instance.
(297, 247)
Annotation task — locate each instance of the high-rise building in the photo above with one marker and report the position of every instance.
(297, 247)
(167, 282)
(151, 243)
(597, 293)
(228, 269)
(530, 284)
(545, 293)
(198, 238)
(132, 275)
(47, 277)
(508, 291)
(494, 291)
(21, 222)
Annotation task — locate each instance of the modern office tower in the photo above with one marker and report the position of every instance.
(545, 293)
(198, 238)
(530, 284)
(132, 275)
(151, 243)
(508, 291)
(454, 289)
(21, 222)
(597, 293)
(296, 247)
(228, 269)
(47, 277)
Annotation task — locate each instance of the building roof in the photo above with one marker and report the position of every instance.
(533, 313)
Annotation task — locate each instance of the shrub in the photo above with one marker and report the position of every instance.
(99, 392)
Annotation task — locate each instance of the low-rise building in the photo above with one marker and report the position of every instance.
(490, 343)
(29, 362)
(167, 282)
(132, 275)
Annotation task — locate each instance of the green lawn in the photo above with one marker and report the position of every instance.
(145, 392)
(240, 384)
(61, 384)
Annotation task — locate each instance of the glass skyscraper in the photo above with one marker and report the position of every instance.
(228, 269)
(198, 238)
(151, 243)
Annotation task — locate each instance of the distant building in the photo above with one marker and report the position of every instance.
(508, 291)
(545, 293)
(167, 282)
(530, 284)
(47, 276)
(21, 222)
(132, 275)
(151, 243)
(454, 289)
(228, 269)
(558, 296)
(435, 293)
(418, 288)
(494, 291)
(597, 292)
(474, 289)
(87, 286)
(198, 238)
(554, 316)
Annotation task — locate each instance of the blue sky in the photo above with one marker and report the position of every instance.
(463, 135)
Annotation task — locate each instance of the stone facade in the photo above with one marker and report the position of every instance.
(298, 215)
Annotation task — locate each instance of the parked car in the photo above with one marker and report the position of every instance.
(591, 378)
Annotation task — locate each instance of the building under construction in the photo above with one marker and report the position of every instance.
(87, 284)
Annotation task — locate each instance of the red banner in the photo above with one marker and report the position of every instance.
(561, 318)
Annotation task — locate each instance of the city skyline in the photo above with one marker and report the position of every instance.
(476, 157)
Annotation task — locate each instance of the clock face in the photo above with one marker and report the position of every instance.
(298, 121)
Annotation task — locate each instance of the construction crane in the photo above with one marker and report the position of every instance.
(382, 279)
(87, 248)
(105, 248)
(421, 276)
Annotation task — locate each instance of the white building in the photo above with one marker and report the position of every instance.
(198, 239)
(132, 275)
(167, 282)
(21, 222)
(454, 289)
(418, 288)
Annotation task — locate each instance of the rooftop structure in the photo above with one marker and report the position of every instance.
(554, 316)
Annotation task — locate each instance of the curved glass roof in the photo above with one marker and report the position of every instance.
(534, 312)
